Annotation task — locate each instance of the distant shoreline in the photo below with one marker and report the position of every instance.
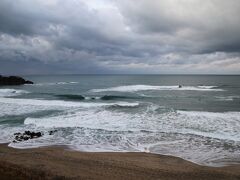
(61, 163)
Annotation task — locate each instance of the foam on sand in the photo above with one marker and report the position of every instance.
(134, 88)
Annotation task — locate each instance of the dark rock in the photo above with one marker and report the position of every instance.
(52, 132)
(15, 134)
(13, 80)
(28, 82)
(26, 136)
(27, 133)
(38, 134)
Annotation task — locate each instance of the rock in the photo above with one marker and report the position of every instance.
(13, 80)
(52, 132)
(38, 134)
(26, 136)
(28, 82)
(16, 134)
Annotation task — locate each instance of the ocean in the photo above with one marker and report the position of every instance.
(198, 121)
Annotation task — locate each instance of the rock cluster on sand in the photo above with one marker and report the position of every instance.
(13, 80)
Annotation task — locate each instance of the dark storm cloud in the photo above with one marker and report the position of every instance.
(213, 24)
(22, 18)
(119, 36)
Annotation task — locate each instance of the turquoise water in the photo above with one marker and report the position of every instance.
(199, 122)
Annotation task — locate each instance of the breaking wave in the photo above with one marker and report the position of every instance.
(11, 92)
(81, 97)
(134, 88)
(47, 103)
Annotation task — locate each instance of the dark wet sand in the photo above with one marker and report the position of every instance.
(60, 163)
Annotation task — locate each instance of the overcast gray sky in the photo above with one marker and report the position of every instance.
(119, 36)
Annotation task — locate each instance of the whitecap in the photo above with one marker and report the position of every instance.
(134, 88)
(11, 92)
(227, 98)
(56, 103)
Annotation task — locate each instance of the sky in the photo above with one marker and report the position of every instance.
(119, 37)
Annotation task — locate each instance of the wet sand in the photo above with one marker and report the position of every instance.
(61, 163)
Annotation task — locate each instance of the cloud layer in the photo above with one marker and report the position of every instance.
(119, 36)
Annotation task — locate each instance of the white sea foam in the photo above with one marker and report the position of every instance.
(11, 92)
(91, 98)
(227, 98)
(56, 103)
(209, 124)
(91, 118)
(14, 106)
(223, 125)
(10, 109)
(105, 130)
(98, 118)
(134, 88)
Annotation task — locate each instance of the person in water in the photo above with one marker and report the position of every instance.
(179, 86)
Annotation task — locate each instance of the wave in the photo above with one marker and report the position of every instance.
(226, 115)
(71, 96)
(188, 134)
(222, 125)
(113, 97)
(11, 92)
(81, 97)
(59, 103)
(134, 88)
(91, 118)
(227, 98)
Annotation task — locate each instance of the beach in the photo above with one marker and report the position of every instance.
(62, 163)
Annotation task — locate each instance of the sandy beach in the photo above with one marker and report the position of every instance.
(62, 163)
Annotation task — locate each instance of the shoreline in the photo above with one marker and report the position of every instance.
(62, 163)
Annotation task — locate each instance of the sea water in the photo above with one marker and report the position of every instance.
(198, 121)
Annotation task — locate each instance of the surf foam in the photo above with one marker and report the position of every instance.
(208, 124)
(11, 92)
(187, 134)
(37, 102)
(134, 88)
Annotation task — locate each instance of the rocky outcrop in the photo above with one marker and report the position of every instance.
(18, 137)
(13, 80)
(26, 136)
